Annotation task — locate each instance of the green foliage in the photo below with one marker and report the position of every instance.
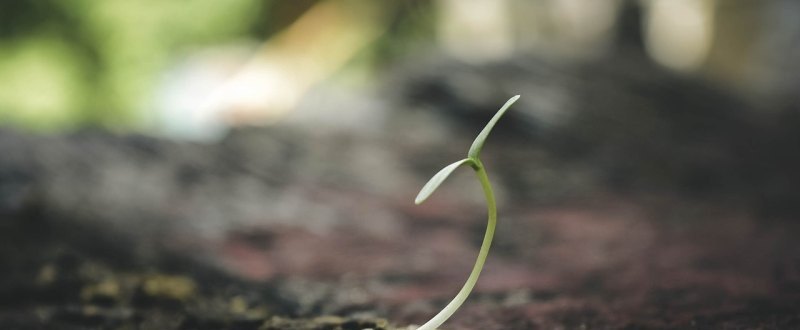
(476, 164)
(65, 63)
(41, 84)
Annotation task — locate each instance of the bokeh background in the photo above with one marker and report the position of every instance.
(198, 164)
(184, 68)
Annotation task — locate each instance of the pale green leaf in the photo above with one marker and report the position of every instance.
(437, 180)
(477, 145)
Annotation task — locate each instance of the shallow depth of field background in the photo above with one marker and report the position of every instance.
(252, 163)
(192, 68)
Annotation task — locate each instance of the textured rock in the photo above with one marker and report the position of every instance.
(629, 198)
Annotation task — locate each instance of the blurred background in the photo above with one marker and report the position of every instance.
(189, 69)
(251, 164)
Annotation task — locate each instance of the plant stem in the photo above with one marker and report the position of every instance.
(491, 207)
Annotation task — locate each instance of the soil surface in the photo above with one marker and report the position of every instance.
(692, 227)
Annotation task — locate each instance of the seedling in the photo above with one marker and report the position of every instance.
(480, 171)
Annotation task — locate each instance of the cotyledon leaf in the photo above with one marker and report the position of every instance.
(437, 180)
(477, 145)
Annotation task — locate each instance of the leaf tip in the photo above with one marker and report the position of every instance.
(422, 197)
(477, 145)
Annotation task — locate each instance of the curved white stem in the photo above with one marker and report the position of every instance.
(462, 295)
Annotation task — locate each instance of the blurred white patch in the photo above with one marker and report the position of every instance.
(181, 103)
(211, 91)
(475, 30)
(584, 27)
(679, 32)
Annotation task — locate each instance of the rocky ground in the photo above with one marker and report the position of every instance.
(628, 216)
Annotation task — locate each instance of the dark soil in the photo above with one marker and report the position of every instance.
(627, 224)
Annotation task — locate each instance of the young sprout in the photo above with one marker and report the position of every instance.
(473, 161)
